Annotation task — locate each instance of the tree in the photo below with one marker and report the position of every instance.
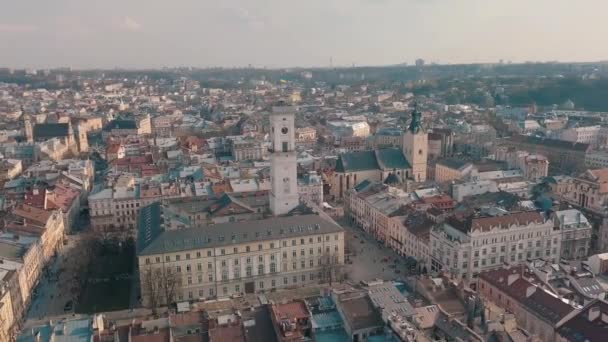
(169, 281)
(331, 268)
(158, 285)
(151, 285)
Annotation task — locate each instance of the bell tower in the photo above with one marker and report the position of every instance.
(29, 131)
(283, 165)
(415, 146)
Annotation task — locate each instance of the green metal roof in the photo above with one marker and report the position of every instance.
(51, 130)
(391, 158)
(357, 161)
(453, 163)
(382, 159)
(226, 234)
(149, 225)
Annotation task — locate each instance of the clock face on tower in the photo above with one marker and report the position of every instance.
(284, 130)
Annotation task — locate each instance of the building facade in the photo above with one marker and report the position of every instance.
(576, 233)
(235, 258)
(465, 247)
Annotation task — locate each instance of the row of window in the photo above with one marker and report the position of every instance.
(128, 205)
(224, 263)
(248, 249)
(492, 261)
(513, 237)
(238, 289)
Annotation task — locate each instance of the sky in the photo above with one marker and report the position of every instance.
(290, 33)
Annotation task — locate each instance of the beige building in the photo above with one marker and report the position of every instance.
(576, 233)
(450, 169)
(589, 193)
(409, 236)
(306, 136)
(370, 206)
(235, 258)
(310, 189)
(586, 135)
(247, 150)
(465, 247)
(48, 224)
(533, 166)
(7, 314)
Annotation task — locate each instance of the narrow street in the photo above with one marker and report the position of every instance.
(53, 290)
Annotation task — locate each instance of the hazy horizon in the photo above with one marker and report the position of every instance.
(278, 34)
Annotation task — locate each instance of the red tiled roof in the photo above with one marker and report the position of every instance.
(293, 310)
(580, 328)
(34, 214)
(541, 303)
(505, 221)
(230, 333)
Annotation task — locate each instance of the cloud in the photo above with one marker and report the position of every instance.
(129, 24)
(17, 28)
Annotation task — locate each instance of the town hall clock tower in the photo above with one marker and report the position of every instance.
(283, 164)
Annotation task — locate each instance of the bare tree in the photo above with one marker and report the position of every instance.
(331, 268)
(169, 281)
(152, 287)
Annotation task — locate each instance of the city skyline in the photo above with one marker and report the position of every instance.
(278, 34)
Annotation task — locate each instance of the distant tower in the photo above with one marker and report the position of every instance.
(283, 165)
(415, 146)
(83, 140)
(72, 145)
(29, 131)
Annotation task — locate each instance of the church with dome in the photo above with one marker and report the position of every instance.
(390, 165)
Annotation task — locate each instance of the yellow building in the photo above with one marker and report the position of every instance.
(450, 169)
(235, 258)
(7, 318)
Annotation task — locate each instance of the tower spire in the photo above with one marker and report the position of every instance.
(415, 124)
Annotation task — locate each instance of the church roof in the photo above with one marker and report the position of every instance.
(120, 124)
(357, 161)
(392, 179)
(391, 158)
(226, 234)
(51, 130)
(382, 159)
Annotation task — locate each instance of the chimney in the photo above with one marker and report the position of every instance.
(594, 313)
(530, 290)
(512, 278)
